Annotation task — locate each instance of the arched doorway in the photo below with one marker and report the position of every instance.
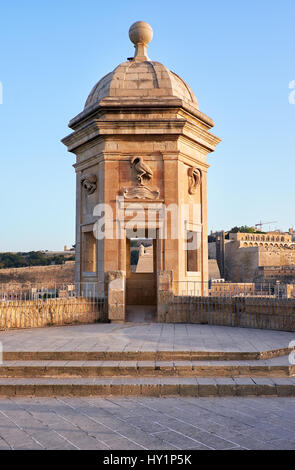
(141, 278)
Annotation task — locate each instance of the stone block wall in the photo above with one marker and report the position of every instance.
(248, 312)
(242, 263)
(50, 312)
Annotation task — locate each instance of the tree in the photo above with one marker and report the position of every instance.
(244, 229)
(32, 258)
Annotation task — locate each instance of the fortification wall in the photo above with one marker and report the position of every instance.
(242, 263)
(213, 269)
(276, 256)
(212, 250)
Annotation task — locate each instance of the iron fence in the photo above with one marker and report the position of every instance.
(252, 305)
(232, 289)
(29, 306)
(263, 305)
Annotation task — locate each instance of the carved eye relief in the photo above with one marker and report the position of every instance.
(194, 179)
(89, 183)
(134, 161)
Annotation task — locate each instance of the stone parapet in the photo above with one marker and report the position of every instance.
(247, 312)
(50, 312)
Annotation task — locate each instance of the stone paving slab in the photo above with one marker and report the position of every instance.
(229, 423)
(144, 337)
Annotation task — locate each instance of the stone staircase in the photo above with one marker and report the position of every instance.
(147, 373)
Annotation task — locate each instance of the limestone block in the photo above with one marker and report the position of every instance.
(115, 283)
(116, 312)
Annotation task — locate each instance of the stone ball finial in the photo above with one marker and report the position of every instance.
(140, 33)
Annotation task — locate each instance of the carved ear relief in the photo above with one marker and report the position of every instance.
(194, 179)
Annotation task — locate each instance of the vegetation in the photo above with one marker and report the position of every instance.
(244, 229)
(32, 258)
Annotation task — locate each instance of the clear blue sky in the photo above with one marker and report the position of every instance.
(238, 56)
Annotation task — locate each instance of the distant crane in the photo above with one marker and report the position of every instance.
(265, 223)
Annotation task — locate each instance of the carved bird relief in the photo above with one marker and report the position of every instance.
(144, 172)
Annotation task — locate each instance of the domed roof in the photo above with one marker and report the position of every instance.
(141, 80)
(140, 77)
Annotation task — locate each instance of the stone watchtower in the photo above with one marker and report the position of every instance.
(141, 144)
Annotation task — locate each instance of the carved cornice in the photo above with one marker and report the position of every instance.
(141, 104)
(195, 146)
(193, 161)
(201, 136)
(85, 164)
(167, 127)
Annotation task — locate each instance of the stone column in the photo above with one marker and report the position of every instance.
(115, 288)
(165, 295)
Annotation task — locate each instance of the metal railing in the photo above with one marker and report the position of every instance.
(263, 305)
(31, 305)
(234, 289)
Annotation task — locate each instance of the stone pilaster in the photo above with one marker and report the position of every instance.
(164, 294)
(115, 288)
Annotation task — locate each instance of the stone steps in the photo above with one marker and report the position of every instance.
(157, 387)
(146, 373)
(143, 369)
(175, 355)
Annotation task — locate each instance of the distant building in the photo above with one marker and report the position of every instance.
(284, 274)
(254, 257)
(269, 239)
(213, 269)
(66, 253)
(285, 291)
(219, 288)
(216, 251)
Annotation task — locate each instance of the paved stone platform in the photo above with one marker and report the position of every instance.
(146, 360)
(145, 337)
(147, 423)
